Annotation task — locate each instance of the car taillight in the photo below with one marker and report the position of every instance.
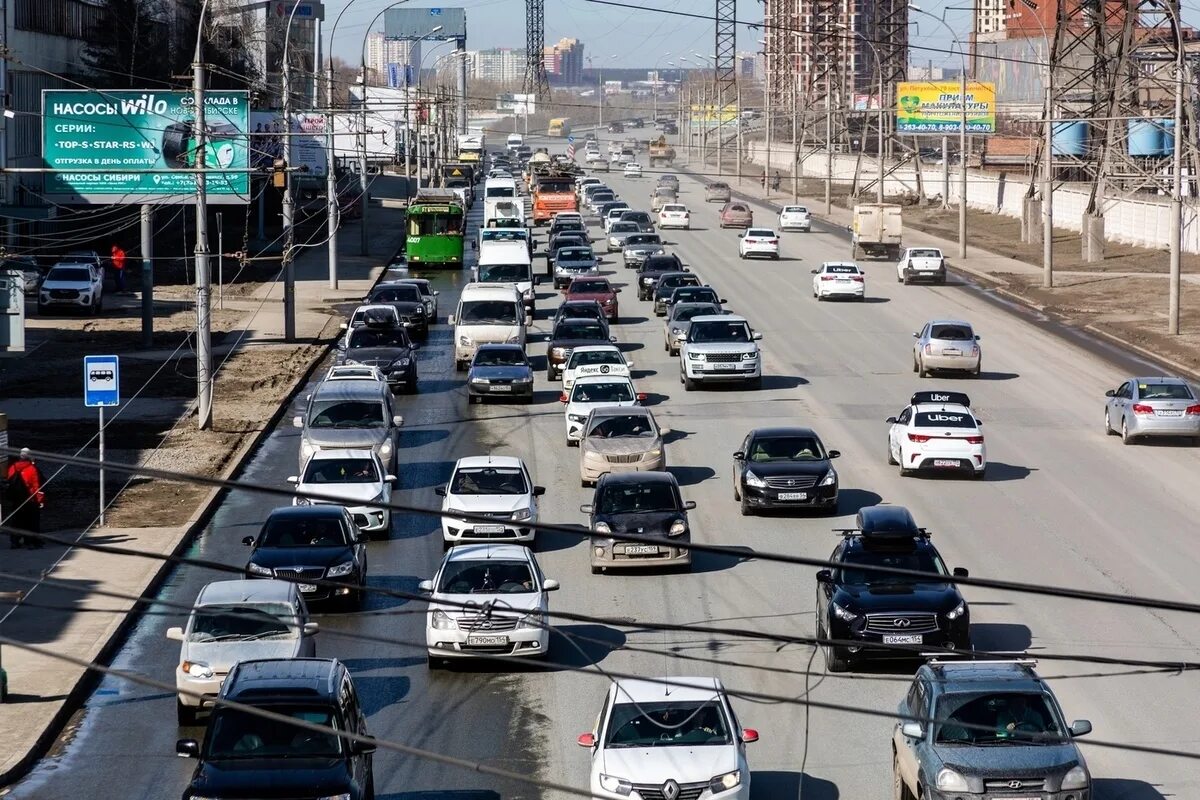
(829, 277)
(1142, 408)
(974, 440)
(857, 278)
(1193, 410)
(772, 241)
(919, 438)
(928, 349)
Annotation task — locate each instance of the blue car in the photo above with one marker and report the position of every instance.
(500, 371)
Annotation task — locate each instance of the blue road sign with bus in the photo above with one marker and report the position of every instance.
(101, 381)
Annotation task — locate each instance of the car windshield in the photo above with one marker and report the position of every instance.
(396, 293)
(619, 427)
(667, 725)
(602, 197)
(640, 217)
(943, 419)
(650, 497)
(303, 532)
(952, 333)
(661, 264)
(581, 358)
(1164, 391)
(580, 310)
(229, 623)
(669, 284)
(70, 274)
(994, 718)
(489, 480)
(590, 287)
(504, 273)
(643, 238)
(582, 332)
(501, 191)
(916, 560)
(695, 294)
(720, 332)
(236, 734)
(686, 313)
(341, 470)
(765, 449)
(500, 357)
(602, 392)
(502, 235)
(490, 312)
(920, 253)
(623, 227)
(486, 577)
(377, 337)
(575, 254)
(347, 414)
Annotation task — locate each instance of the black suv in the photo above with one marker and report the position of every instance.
(666, 285)
(406, 298)
(784, 468)
(870, 608)
(653, 268)
(569, 334)
(642, 503)
(385, 346)
(247, 755)
(318, 543)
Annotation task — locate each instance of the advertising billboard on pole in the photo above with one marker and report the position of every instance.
(937, 107)
(141, 146)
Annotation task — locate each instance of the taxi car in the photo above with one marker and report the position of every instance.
(839, 279)
(598, 359)
(937, 432)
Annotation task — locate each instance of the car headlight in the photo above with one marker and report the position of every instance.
(723, 783)
(524, 379)
(676, 331)
(85, 296)
(345, 568)
(749, 356)
(655, 453)
(958, 611)
(647, 281)
(830, 478)
(522, 514)
(614, 241)
(678, 527)
(301, 501)
(949, 780)
(577, 417)
(420, 310)
(464, 341)
(440, 621)
(527, 293)
(558, 351)
(401, 362)
(1077, 778)
(480, 380)
(385, 449)
(197, 669)
(849, 616)
(695, 356)
(381, 497)
(615, 785)
(255, 569)
(601, 527)
(534, 619)
(342, 796)
(514, 339)
(351, 361)
(754, 480)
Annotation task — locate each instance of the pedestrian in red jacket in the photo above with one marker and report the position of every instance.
(24, 500)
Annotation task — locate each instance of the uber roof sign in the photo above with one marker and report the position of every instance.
(949, 398)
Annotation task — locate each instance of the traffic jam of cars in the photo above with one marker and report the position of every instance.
(966, 728)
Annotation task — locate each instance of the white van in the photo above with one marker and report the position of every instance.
(500, 200)
(486, 314)
(506, 262)
(515, 140)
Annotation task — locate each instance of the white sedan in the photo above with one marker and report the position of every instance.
(595, 359)
(758, 242)
(504, 578)
(839, 279)
(355, 479)
(489, 486)
(795, 218)
(633, 170)
(674, 215)
(937, 432)
(668, 738)
(594, 391)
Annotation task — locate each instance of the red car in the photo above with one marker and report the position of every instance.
(736, 214)
(598, 289)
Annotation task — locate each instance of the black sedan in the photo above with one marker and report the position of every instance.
(500, 371)
(318, 543)
(569, 334)
(387, 347)
(882, 615)
(641, 503)
(653, 268)
(667, 283)
(409, 303)
(579, 309)
(784, 468)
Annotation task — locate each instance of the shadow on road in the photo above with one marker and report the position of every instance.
(578, 646)
(416, 437)
(690, 476)
(703, 561)
(551, 541)
(1125, 789)
(851, 501)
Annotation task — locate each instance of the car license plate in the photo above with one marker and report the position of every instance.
(950, 351)
(912, 638)
(307, 587)
(793, 495)
(493, 641)
(725, 366)
(489, 529)
(641, 549)
(500, 389)
(945, 462)
(1170, 413)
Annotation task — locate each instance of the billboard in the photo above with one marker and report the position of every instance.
(416, 23)
(937, 107)
(304, 149)
(712, 113)
(90, 137)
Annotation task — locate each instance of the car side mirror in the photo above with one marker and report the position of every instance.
(425, 586)
(293, 478)
(912, 730)
(311, 628)
(440, 491)
(813, 271)
(612, 339)
(629, 364)
(248, 541)
(397, 420)
(414, 346)
(1111, 393)
(187, 748)
(450, 320)
(436, 292)
(824, 576)
(538, 491)
(749, 736)
(550, 585)
(977, 337)
(616, 291)
(175, 634)
(1081, 727)
(835, 453)
(756, 336)
(587, 508)
(961, 572)
(688, 505)
(297, 421)
(586, 740)
(890, 420)
(915, 334)
(344, 326)
(641, 397)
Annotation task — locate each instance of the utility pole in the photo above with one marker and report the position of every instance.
(203, 281)
(739, 133)
(332, 206)
(828, 156)
(879, 194)
(289, 242)
(1048, 185)
(460, 46)
(364, 197)
(767, 110)
(408, 130)
(147, 235)
(945, 172)
(962, 172)
(1176, 230)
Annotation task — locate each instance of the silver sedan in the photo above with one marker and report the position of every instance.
(1152, 407)
(949, 345)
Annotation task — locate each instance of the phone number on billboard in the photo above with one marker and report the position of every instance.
(944, 127)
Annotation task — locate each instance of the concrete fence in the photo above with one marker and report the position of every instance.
(1143, 222)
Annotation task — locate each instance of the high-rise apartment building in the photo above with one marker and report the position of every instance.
(564, 61)
(500, 65)
(382, 51)
(991, 18)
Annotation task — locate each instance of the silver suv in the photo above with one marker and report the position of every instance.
(350, 415)
(720, 348)
(999, 733)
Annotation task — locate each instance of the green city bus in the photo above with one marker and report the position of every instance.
(435, 234)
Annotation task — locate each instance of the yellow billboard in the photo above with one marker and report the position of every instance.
(937, 107)
(714, 113)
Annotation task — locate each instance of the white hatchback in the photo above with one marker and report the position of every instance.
(795, 218)
(668, 737)
(499, 487)
(839, 279)
(355, 479)
(506, 580)
(594, 359)
(674, 215)
(758, 242)
(595, 391)
(633, 170)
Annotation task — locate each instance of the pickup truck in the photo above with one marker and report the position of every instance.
(921, 264)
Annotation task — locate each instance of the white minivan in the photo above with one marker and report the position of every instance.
(515, 140)
(486, 314)
(500, 200)
(506, 262)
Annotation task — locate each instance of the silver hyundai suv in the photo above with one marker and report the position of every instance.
(720, 348)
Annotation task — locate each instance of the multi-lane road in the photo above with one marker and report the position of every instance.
(1062, 504)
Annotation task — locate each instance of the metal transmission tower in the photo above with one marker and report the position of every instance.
(725, 67)
(825, 58)
(536, 82)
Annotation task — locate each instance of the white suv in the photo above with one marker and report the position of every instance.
(489, 486)
(720, 348)
(72, 285)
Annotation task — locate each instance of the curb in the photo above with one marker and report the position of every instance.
(192, 528)
(1147, 354)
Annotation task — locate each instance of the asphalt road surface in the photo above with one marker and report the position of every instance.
(1062, 504)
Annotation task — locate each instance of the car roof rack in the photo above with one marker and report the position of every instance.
(942, 659)
(945, 398)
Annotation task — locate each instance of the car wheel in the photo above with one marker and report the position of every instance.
(819, 296)
(836, 659)
(1125, 437)
(915, 368)
(746, 510)
(459, 366)
(689, 385)
(905, 281)
(184, 715)
(550, 374)
(921, 371)
(572, 442)
(411, 387)
(891, 461)
(979, 473)
(1108, 431)
(899, 788)
(977, 371)
(369, 794)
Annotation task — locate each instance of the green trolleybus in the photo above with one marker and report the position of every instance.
(435, 232)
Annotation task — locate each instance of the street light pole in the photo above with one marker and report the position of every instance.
(203, 278)
(1176, 231)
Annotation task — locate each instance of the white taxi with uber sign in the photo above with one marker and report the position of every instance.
(601, 359)
(937, 432)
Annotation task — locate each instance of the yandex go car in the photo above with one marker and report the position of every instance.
(937, 432)
(671, 738)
